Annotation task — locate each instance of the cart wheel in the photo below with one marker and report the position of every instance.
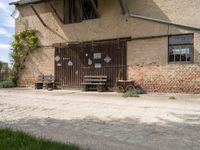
(129, 88)
(119, 89)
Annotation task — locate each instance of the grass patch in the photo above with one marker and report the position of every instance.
(132, 93)
(16, 140)
(6, 84)
(172, 98)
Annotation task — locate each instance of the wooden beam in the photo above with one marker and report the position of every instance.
(122, 5)
(26, 2)
(54, 10)
(34, 10)
(95, 8)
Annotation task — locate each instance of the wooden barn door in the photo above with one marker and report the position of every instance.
(107, 58)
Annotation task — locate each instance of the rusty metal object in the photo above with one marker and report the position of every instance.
(124, 85)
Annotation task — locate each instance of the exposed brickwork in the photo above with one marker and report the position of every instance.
(170, 78)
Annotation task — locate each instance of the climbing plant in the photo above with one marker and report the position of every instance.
(1, 65)
(23, 44)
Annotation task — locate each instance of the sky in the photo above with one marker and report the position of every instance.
(7, 29)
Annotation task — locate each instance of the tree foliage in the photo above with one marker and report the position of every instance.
(23, 44)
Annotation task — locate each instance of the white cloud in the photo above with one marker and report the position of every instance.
(5, 12)
(5, 33)
(4, 7)
(4, 46)
(6, 28)
(9, 22)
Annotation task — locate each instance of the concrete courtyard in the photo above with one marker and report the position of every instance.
(105, 121)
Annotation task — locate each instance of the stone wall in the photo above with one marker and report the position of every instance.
(40, 61)
(149, 51)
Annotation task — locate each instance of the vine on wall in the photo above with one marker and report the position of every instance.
(23, 44)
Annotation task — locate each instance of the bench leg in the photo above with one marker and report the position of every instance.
(49, 86)
(101, 88)
(84, 88)
(38, 86)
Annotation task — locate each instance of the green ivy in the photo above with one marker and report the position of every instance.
(1, 65)
(24, 43)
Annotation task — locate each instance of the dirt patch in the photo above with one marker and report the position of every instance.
(105, 121)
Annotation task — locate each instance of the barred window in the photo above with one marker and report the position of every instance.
(181, 48)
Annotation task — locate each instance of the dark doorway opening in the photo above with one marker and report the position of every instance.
(100, 58)
(78, 10)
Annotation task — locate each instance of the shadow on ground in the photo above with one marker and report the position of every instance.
(125, 134)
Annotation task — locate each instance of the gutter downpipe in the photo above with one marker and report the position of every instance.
(159, 20)
(164, 21)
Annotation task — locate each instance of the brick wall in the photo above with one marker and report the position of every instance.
(169, 78)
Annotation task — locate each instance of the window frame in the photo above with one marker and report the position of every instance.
(185, 44)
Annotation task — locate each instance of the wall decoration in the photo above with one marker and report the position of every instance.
(64, 58)
(107, 59)
(89, 61)
(97, 65)
(59, 65)
(70, 63)
(57, 58)
(97, 55)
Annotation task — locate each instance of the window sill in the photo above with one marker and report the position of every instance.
(180, 63)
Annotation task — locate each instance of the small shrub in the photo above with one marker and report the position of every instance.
(132, 93)
(7, 84)
(172, 98)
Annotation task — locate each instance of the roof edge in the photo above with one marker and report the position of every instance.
(24, 2)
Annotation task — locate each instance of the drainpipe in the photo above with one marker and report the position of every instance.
(164, 21)
(158, 20)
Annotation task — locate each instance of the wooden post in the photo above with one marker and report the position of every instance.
(121, 2)
(34, 10)
(54, 10)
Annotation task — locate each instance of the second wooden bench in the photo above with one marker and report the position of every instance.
(98, 83)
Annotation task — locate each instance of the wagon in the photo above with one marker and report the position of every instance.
(124, 86)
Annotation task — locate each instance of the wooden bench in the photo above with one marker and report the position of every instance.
(45, 81)
(98, 83)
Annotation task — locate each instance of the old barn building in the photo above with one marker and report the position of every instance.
(154, 42)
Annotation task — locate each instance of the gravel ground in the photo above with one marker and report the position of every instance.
(105, 121)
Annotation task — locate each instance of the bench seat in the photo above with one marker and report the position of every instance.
(45, 81)
(94, 82)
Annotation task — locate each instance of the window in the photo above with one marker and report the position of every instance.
(88, 10)
(181, 48)
(79, 10)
